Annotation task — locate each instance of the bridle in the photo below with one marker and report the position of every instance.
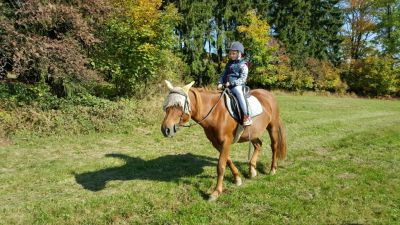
(186, 105)
(187, 109)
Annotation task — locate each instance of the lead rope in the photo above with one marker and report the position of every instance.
(249, 152)
(247, 105)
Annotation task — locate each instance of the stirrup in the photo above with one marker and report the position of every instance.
(247, 122)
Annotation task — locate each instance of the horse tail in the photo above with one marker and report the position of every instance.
(282, 147)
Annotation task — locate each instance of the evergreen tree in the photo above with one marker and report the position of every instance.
(290, 21)
(308, 28)
(211, 24)
(324, 39)
(194, 32)
(229, 14)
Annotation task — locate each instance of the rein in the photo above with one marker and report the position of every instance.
(213, 108)
(187, 106)
(209, 112)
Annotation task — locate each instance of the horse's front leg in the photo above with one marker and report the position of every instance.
(223, 158)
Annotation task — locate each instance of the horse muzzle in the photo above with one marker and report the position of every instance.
(169, 131)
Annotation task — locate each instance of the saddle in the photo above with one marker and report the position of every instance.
(233, 106)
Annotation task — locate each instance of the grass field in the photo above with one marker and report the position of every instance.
(343, 167)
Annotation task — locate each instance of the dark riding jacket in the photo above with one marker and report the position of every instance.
(235, 73)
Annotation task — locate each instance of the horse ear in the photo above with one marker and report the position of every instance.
(169, 85)
(187, 87)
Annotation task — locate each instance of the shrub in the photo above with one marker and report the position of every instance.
(294, 79)
(284, 76)
(326, 76)
(373, 76)
(136, 52)
(46, 42)
(78, 115)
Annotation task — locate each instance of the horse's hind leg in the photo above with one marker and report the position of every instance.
(274, 136)
(235, 172)
(253, 162)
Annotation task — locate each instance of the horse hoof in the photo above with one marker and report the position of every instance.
(253, 172)
(238, 181)
(213, 197)
(272, 172)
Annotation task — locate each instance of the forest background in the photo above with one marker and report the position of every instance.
(75, 57)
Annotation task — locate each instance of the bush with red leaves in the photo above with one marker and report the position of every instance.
(49, 42)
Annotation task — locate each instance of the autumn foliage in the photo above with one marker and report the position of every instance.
(48, 42)
(121, 48)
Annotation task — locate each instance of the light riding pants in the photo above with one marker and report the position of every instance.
(238, 92)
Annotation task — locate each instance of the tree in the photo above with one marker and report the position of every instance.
(195, 31)
(260, 48)
(136, 48)
(308, 29)
(290, 21)
(374, 76)
(324, 38)
(359, 27)
(207, 29)
(388, 27)
(47, 43)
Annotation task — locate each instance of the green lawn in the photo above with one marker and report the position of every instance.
(343, 167)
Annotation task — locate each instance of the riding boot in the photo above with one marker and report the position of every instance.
(246, 120)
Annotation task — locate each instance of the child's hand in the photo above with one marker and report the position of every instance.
(219, 87)
(227, 84)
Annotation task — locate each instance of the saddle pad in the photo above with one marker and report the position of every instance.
(254, 106)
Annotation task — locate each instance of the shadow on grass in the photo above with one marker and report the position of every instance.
(243, 168)
(166, 168)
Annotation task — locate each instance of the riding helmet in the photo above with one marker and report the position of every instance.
(236, 46)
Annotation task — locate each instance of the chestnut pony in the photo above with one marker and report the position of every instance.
(208, 109)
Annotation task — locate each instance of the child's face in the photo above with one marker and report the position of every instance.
(233, 55)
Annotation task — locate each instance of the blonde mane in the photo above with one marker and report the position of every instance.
(206, 89)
